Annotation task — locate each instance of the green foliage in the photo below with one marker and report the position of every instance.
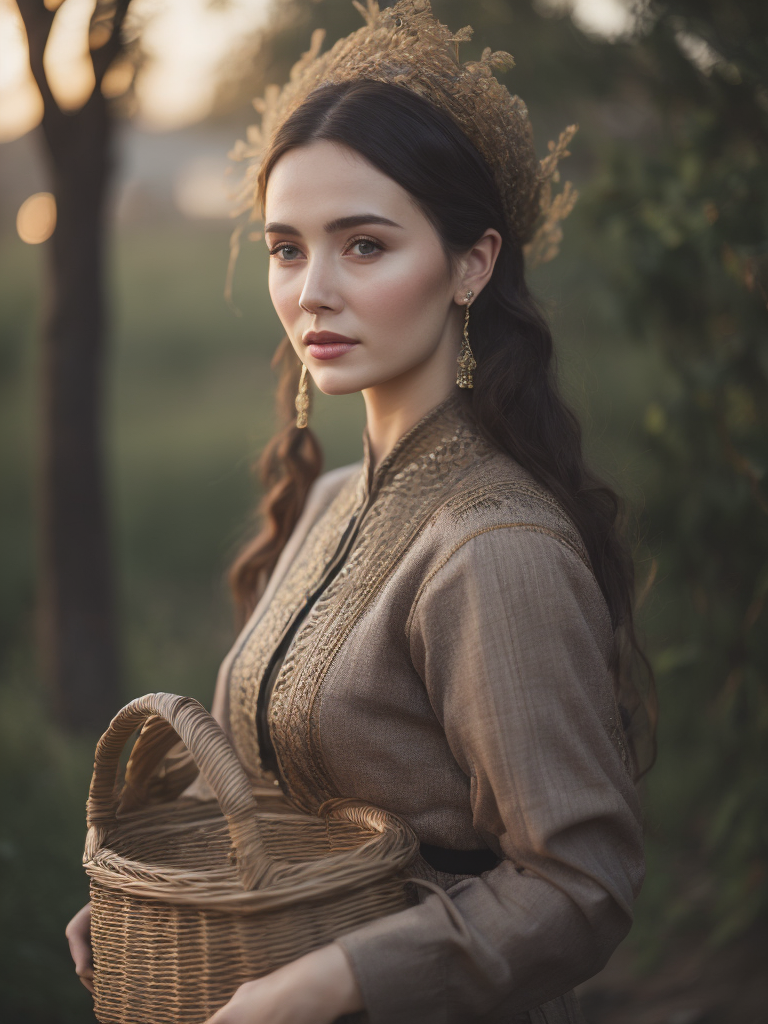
(44, 779)
(684, 225)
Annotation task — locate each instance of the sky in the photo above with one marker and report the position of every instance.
(186, 42)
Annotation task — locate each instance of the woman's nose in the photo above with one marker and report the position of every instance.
(320, 292)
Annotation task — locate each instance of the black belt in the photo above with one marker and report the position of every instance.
(458, 862)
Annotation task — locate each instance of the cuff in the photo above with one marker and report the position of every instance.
(398, 967)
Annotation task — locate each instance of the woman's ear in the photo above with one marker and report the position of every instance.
(478, 264)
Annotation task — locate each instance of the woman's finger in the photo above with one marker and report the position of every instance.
(88, 983)
(78, 933)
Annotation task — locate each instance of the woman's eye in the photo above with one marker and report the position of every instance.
(364, 247)
(286, 253)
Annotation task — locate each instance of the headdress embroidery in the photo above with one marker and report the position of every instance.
(405, 45)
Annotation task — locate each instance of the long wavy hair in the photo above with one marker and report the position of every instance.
(515, 401)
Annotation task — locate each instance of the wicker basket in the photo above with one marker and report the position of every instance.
(193, 897)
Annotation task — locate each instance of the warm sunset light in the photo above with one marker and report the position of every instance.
(186, 45)
(21, 105)
(66, 61)
(117, 79)
(36, 219)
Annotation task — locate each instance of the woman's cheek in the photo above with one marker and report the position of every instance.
(401, 294)
(285, 295)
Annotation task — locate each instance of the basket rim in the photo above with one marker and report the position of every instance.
(391, 847)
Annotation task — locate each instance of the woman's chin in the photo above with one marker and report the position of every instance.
(349, 380)
(339, 382)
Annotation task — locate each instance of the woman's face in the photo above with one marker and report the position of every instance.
(357, 274)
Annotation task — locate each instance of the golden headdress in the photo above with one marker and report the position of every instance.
(405, 45)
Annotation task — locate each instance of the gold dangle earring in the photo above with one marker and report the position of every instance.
(466, 360)
(302, 399)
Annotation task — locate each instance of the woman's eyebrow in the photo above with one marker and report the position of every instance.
(356, 221)
(273, 228)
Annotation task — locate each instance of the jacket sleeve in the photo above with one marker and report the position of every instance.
(511, 637)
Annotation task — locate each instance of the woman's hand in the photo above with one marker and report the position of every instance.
(78, 933)
(316, 989)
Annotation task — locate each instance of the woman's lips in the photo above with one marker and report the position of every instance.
(326, 345)
(330, 349)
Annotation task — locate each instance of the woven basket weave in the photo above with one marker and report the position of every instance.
(194, 897)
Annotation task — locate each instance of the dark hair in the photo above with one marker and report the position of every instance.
(515, 401)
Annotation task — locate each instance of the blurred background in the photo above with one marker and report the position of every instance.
(134, 399)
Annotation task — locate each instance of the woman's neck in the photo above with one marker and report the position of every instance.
(396, 405)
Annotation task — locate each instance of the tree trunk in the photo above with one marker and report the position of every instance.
(77, 606)
(77, 596)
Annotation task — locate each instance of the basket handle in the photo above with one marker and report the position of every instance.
(213, 755)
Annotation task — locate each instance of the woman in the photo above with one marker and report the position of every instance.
(437, 631)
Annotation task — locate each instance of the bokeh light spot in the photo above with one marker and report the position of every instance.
(66, 60)
(36, 219)
(118, 79)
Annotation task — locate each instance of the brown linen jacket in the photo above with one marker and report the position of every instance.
(454, 670)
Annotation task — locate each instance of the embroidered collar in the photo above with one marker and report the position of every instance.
(420, 441)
